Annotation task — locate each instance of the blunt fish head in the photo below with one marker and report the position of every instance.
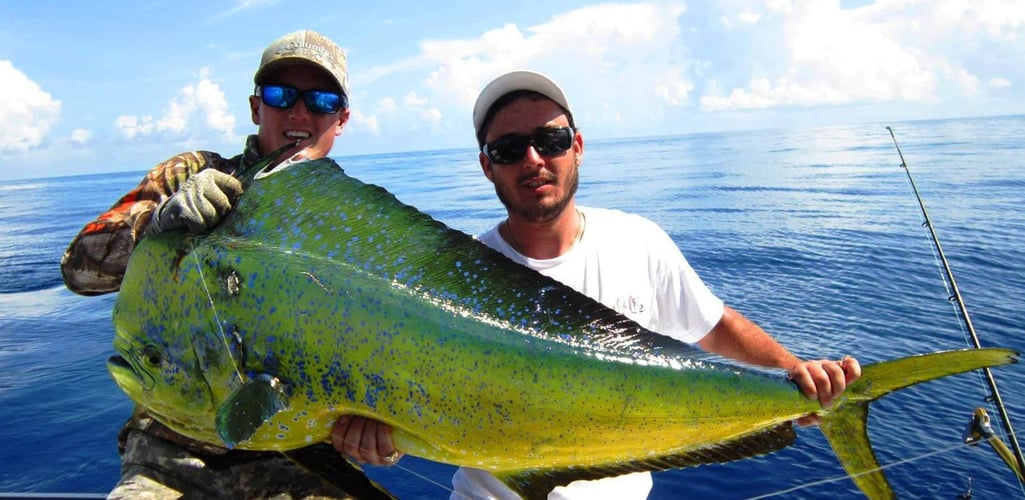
(162, 371)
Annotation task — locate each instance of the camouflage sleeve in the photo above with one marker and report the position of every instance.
(95, 261)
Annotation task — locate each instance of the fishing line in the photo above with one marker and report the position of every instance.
(227, 348)
(224, 338)
(263, 162)
(406, 469)
(923, 456)
(949, 449)
(937, 259)
(213, 307)
(425, 478)
(955, 297)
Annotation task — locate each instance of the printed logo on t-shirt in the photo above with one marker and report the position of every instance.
(629, 305)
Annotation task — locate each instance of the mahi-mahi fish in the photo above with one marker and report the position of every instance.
(321, 295)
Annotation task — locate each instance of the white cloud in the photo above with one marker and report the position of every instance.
(246, 5)
(835, 56)
(779, 5)
(675, 87)
(629, 68)
(888, 50)
(369, 120)
(432, 117)
(131, 126)
(999, 83)
(745, 17)
(27, 113)
(995, 18)
(967, 82)
(748, 17)
(599, 53)
(413, 100)
(196, 111)
(388, 105)
(211, 102)
(80, 136)
(762, 94)
(429, 115)
(362, 122)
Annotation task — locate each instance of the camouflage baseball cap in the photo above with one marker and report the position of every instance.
(305, 47)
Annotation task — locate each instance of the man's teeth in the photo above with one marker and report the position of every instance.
(297, 135)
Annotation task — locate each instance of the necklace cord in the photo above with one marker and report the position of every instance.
(581, 223)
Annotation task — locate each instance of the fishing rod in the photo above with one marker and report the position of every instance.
(995, 394)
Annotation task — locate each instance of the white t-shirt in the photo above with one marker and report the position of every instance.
(629, 264)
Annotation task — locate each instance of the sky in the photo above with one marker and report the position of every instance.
(110, 86)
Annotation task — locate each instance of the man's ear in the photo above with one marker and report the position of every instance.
(578, 147)
(343, 118)
(485, 165)
(254, 109)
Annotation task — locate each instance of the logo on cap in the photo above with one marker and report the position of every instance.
(307, 46)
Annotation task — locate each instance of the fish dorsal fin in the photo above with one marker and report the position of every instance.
(410, 249)
(246, 409)
(537, 483)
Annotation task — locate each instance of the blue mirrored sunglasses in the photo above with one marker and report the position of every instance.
(511, 148)
(317, 101)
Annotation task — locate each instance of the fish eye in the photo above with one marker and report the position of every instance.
(151, 355)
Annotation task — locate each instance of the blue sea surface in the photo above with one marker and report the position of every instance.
(815, 234)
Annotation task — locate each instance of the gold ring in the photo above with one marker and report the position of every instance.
(392, 457)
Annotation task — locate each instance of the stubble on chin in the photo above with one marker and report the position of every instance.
(545, 210)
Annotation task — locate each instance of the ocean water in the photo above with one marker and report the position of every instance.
(815, 234)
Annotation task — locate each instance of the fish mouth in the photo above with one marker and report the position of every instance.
(130, 378)
(125, 376)
(119, 362)
(133, 383)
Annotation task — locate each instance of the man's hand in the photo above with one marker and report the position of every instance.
(364, 440)
(824, 380)
(200, 203)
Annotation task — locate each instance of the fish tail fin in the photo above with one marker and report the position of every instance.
(845, 424)
(847, 433)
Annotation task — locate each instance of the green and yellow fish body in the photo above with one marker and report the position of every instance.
(320, 296)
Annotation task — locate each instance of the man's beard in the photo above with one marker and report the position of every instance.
(546, 211)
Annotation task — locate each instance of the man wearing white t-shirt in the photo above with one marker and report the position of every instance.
(531, 152)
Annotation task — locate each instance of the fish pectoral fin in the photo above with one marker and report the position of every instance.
(537, 483)
(252, 404)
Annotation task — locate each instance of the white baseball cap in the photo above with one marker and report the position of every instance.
(512, 82)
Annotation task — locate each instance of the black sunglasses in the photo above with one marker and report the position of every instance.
(317, 101)
(511, 148)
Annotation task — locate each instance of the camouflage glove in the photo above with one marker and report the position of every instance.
(201, 202)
